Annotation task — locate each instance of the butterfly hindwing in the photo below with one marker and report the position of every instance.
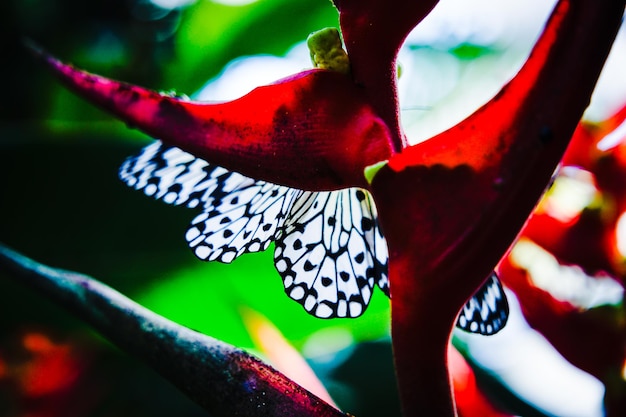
(487, 311)
(329, 253)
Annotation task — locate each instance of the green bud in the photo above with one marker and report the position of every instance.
(327, 51)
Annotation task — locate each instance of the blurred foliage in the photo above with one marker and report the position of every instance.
(63, 204)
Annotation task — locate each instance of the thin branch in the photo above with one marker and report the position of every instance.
(224, 380)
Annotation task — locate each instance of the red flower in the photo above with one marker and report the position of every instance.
(449, 207)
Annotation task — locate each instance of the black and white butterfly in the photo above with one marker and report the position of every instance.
(329, 248)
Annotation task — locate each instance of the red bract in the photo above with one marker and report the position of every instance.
(450, 206)
(583, 150)
(315, 130)
(588, 239)
(591, 340)
(607, 161)
(585, 241)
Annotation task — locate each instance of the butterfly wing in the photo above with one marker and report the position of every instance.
(487, 311)
(331, 253)
(239, 214)
(171, 175)
(245, 221)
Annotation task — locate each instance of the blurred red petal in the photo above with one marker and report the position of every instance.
(53, 368)
(591, 340)
(470, 401)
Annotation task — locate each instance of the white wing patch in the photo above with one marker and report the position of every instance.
(244, 220)
(330, 251)
(487, 311)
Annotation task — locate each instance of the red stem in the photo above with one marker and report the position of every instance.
(472, 188)
(373, 32)
(420, 336)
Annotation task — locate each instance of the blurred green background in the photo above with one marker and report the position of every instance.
(62, 204)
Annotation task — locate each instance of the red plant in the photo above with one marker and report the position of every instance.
(449, 207)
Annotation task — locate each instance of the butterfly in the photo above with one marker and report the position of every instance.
(329, 249)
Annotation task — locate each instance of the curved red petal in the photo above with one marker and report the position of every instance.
(315, 130)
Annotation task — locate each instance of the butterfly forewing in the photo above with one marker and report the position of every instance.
(487, 311)
(238, 215)
(171, 174)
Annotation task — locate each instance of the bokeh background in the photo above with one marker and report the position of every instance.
(62, 204)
